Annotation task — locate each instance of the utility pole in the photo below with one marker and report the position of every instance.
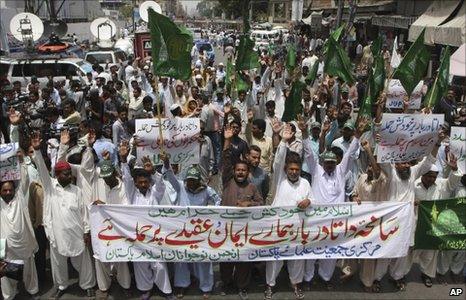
(341, 4)
(132, 15)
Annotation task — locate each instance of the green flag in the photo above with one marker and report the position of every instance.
(247, 58)
(290, 62)
(337, 35)
(376, 46)
(414, 65)
(293, 102)
(366, 107)
(312, 75)
(440, 87)
(441, 225)
(242, 83)
(171, 47)
(337, 62)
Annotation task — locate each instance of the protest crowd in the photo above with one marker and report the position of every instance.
(297, 126)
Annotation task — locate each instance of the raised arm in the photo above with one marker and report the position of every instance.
(308, 154)
(126, 173)
(280, 156)
(375, 166)
(40, 164)
(168, 172)
(455, 176)
(424, 166)
(227, 171)
(354, 146)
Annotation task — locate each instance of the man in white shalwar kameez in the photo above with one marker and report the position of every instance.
(66, 222)
(401, 179)
(192, 192)
(114, 194)
(16, 229)
(292, 190)
(429, 187)
(140, 192)
(328, 187)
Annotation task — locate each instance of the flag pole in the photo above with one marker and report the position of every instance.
(155, 88)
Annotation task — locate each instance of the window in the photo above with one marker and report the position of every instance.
(67, 69)
(4, 68)
(22, 70)
(85, 66)
(99, 58)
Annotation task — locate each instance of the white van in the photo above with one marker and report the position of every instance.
(265, 35)
(104, 57)
(23, 69)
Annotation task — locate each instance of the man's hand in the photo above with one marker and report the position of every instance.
(87, 239)
(366, 146)
(106, 155)
(147, 164)
(441, 136)
(287, 134)
(36, 140)
(14, 116)
(65, 137)
(303, 204)
(356, 199)
(124, 151)
(361, 126)
(20, 155)
(2, 268)
(326, 126)
(98, 202)
(276, 126)
(452, 161)
(227, 108)
(163, 156)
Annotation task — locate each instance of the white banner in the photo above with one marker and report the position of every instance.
(458, 146)
(9, 165)
(396, 93)
(200, 234)
(180, 137)
(405, 137)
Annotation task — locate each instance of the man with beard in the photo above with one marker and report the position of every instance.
(237, 191)
(142, 189)
(328, 187)
(119, 128)
(16, 229)
(292, 190)
(343, 115)
(257, 175)
(113, 193)
(66, 223)
(401, 179)
(192, 192)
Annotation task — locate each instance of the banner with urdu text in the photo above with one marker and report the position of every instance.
(202, 234)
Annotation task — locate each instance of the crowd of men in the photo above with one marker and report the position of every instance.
(78, 148)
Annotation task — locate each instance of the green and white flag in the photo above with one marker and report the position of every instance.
(441, 225)
(171, 47)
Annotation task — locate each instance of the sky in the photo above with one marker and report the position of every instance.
(190, 6)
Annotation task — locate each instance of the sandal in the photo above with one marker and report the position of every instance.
(328, 285)
(376, 287)
(268, 293)
(298, 293)
(400, 285)
(427, 280)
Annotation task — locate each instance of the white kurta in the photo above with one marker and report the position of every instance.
(16, 229)
(287, 194)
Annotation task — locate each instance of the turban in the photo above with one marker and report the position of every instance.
(62, 165)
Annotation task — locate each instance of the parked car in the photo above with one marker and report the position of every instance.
(104, 57)
(205, 46)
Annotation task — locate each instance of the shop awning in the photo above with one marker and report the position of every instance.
(396, 21)
(458, 62)
(435, 15)
(453, 32)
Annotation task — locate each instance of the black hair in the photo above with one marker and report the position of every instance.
(270, 104)
(293, 158)
(260, 123)
(254, 148)
(337, 151)
(138, 172)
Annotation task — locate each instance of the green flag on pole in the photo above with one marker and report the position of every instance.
(229, 73)
(366, 107)
(247, 58)
(337, 62)
(441, 225)
(290, 62)
(242, 83)
(440, 87)
(171, 47)
(337, 35)
(376, 46)
(312, 75)
(414, 65)
(293, 102)
(378, 77)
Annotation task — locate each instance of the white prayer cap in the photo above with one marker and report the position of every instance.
(220, 64)
(146, 67)
(198, 76)
(174, 106)
(433, 168)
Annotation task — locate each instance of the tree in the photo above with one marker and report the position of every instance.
(204, 8)
(126, 11)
